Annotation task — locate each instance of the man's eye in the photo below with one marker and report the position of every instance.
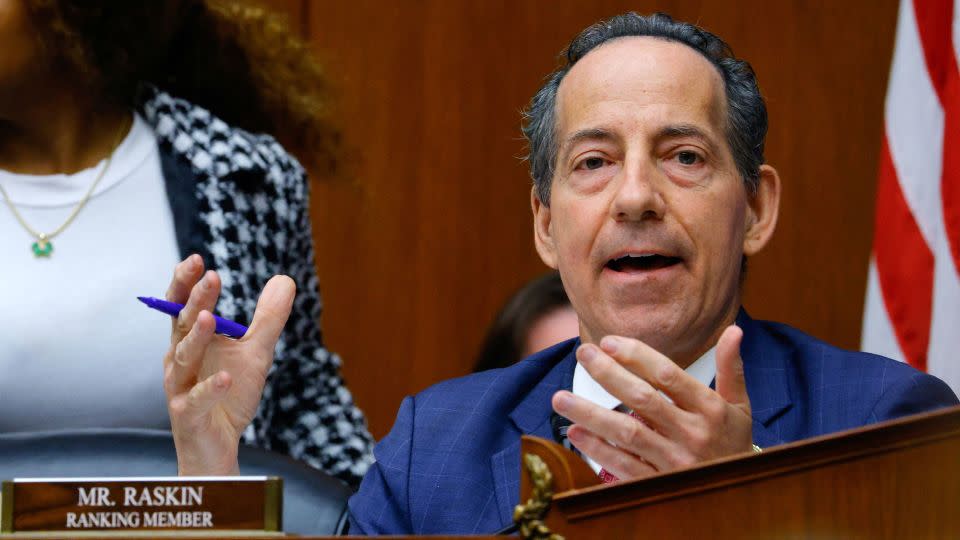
(688, 158)
(592, 163)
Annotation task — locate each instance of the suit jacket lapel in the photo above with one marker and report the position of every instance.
(766, 365)
(183, 137)
(531, 416)
(176, 146)
(181, 187)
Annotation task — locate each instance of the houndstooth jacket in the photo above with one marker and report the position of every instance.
(240, 201)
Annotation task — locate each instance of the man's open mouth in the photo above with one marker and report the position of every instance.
(641, 263)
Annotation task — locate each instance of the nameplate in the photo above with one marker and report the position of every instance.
(239, 503)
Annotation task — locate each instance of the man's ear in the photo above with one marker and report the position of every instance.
(763, 209)
(542, 230)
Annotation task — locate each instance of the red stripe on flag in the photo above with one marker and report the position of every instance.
(904, 265)
(935, 25)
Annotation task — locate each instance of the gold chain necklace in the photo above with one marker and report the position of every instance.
(43, 246)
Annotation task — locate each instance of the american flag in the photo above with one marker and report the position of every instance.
(913, 292)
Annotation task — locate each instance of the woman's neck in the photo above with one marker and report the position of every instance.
(58, 132)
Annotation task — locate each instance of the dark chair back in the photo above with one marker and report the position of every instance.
(314, 503)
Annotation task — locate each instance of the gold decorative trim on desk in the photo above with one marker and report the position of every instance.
(529, 516)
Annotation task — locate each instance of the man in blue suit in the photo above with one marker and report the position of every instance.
(451, 463)
(650, 191)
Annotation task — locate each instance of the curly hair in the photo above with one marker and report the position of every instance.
(233, 57)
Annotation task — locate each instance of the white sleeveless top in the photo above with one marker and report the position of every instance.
(77, 349)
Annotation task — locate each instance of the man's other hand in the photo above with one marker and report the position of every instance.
(699, 425)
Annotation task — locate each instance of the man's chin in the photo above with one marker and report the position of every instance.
(658, 328)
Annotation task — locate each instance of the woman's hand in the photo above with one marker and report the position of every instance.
(214, 383)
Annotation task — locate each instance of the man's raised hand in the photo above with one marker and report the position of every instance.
(700, 424)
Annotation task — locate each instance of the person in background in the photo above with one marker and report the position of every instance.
(134, 135)
(535, 317)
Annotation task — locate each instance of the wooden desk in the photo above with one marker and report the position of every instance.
(900, 479)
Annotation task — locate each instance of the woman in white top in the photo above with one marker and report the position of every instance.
(129, 141)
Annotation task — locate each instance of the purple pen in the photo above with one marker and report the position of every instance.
(225, 327)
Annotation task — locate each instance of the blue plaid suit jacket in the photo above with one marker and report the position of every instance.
(451, 463)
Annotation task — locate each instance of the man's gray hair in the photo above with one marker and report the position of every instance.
(746, 112)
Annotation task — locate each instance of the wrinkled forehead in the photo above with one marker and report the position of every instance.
(661, 80)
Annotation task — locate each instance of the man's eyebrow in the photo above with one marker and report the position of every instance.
(590, 134)
(676, 131)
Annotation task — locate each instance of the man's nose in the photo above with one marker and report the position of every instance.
(638, 193)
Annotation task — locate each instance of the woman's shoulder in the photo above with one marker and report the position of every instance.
(213, 147)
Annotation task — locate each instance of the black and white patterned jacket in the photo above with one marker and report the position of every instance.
(240, 201)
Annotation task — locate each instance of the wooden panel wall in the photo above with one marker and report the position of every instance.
(430, 230)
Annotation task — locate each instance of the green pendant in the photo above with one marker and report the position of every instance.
(42, 248)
